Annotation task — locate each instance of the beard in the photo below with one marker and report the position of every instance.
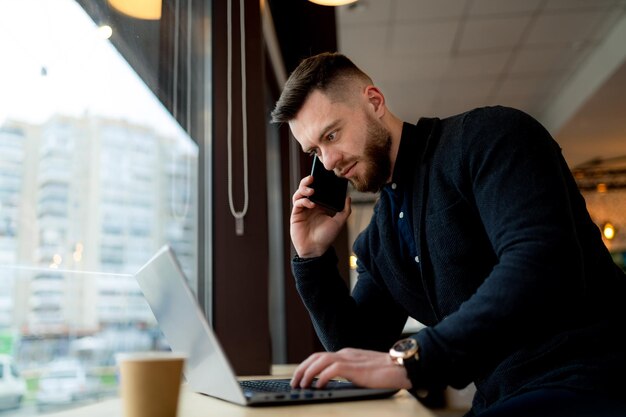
(376, 158)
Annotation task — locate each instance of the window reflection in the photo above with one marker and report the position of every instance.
(95, 175)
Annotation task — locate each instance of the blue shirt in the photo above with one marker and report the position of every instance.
(401, 197)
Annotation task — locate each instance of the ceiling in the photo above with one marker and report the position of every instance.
(562, 61)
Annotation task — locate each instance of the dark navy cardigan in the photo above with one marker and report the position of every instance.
(516, 286)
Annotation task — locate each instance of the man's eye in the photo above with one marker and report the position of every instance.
(332, 136)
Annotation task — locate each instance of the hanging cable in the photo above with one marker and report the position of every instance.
(238, 215)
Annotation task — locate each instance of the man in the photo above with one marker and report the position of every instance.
(480, 233)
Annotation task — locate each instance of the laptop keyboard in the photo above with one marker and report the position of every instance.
(267, 385)
(282, 385)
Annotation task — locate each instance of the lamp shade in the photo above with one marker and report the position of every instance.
(332, 2)
(139, 9)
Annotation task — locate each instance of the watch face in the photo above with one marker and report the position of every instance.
(404, 350)
(405, 345)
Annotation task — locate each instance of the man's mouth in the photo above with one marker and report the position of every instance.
(346, 172)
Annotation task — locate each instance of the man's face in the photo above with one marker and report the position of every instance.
(348, 138)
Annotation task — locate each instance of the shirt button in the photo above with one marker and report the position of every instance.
(394, 186)
(401, 215)
(417, 259)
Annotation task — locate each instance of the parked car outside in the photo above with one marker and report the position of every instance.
(12, 385)
(65, 382)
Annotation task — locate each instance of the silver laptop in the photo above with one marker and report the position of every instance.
(207, 369)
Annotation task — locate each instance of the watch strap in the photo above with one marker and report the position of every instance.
(412, 371)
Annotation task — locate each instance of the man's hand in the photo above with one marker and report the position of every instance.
(312, 229)
(365, 368)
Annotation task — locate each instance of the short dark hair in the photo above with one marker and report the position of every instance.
(326, 72)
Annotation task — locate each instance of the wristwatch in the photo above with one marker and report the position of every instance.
(404, 352)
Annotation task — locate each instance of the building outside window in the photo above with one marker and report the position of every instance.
(96, 174)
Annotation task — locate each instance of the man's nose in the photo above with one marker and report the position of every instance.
(330, 159)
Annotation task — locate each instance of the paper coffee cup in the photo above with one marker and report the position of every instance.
(150, 383)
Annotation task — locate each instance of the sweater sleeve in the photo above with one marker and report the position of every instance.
(367, 319)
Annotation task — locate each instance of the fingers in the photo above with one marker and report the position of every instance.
(326, 366)
(303, 189)
(362, 367)
(298, 375)
(300, 200)
(336, 369)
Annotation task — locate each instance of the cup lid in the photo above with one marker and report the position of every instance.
(149, 356)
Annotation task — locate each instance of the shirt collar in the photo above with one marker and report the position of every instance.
(406, 158)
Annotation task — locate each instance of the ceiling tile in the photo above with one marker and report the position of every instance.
(546, 59)
(423, 38)
(577, 4)
(566, 28)
(407, 69)
(481, 34)
(474, 90)
(503, 7)
(527, 85)
(419, 89)
(360, 41)
(474, 65)
(428, 9)
(408, 101)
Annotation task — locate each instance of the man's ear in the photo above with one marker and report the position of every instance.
(376, 99)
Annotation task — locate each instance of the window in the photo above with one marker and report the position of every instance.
(98, 169)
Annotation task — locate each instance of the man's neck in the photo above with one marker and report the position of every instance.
(394, 125)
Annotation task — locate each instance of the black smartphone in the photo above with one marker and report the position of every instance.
(330, 190)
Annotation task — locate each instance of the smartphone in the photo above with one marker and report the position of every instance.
(330, 190)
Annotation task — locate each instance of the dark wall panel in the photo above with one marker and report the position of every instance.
(240, 302)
